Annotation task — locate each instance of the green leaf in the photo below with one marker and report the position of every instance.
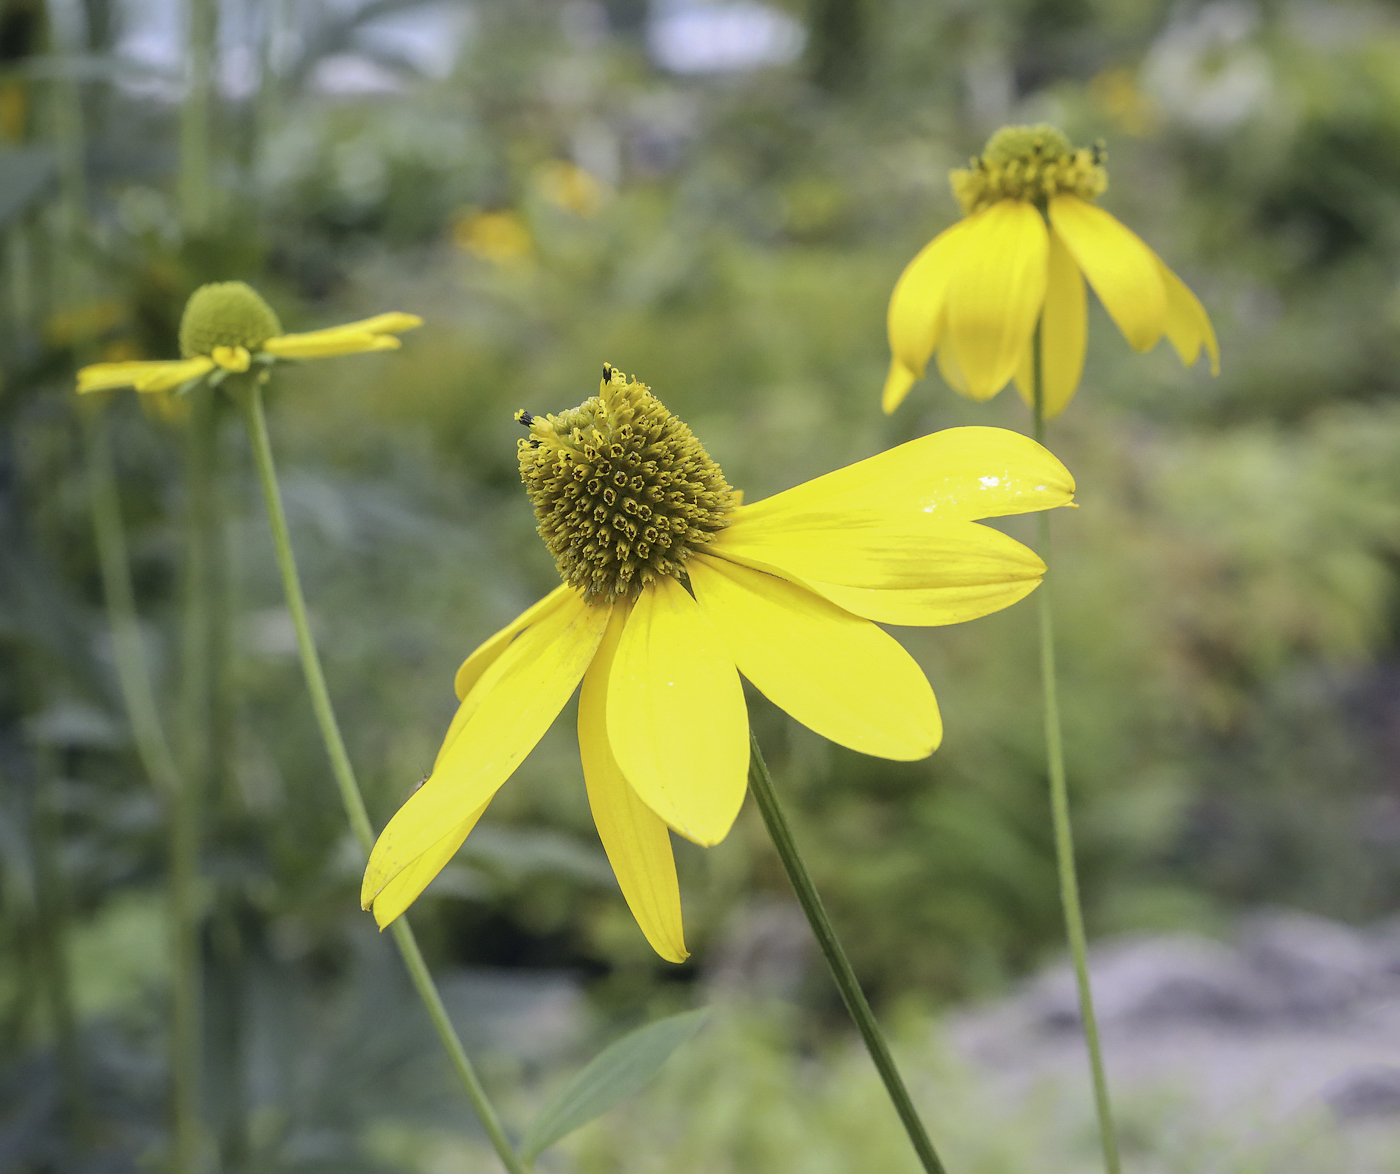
(619, 1070)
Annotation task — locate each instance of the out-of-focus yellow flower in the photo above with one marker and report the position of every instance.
(70, 325)
(1115, 91)
(499, 237)
(974, 295)
(568, 186)
(14, 109)
(228, 328)
(672, 589)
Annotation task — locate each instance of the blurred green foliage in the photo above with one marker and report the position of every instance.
(1227, 590)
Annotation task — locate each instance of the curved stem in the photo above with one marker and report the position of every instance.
(761, 783)
(250, 399)
(1059, 808)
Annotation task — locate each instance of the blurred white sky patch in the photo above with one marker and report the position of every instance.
(353, 55)
(721, 36)
(1207, 68)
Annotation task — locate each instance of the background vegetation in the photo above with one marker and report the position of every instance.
(548, 196)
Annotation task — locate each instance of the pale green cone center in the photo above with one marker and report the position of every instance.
(226, 313)
(1034, 163)
(623, 491)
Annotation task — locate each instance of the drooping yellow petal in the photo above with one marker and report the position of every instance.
(676, 718)
(637, 842)
(895, 568)
(996, 292)
(408, 885)
(955, 474)
(1188, 325)
(485, 654)
(897, 384)
(1124, 272)
(232, 358)
(514, 702)
(916, 312)
(152, 375)
(838, 675)
(1064, 334)
(369, 334)
(953, 374)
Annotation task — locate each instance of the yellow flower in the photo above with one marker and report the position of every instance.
(499, 237)
(1031, 234)
(672, 589)
(227, 328)
(570, 187)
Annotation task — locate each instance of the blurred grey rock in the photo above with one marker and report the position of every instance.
(1367, 1092)
(1313, 966)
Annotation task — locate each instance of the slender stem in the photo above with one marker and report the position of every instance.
(1059, 808)
(186, 804)
(761, 783)
(128, 650)
(250, 399)
(181, 799)
(196, 189)
(51, 926)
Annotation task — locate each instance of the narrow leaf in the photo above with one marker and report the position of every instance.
(619, 1070)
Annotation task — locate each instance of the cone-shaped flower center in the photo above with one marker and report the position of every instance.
(226, 314)
(1033, 163)
(622, 489)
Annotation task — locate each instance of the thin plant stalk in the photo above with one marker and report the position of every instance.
(761, 784)
(195, 184)
(1059, 808)
(249, 396)
(186, 806)
(158, 761)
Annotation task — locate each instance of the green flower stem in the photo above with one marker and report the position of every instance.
(182, 807)
(250, 399)
(195, 186)
(187, 799)
(761, 784)
(1059, 807)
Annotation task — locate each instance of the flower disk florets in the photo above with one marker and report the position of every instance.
(1033, 163)
(226, 314)
(623, 491)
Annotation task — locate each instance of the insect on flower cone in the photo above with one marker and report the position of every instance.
(1031, 234)
(672, 589)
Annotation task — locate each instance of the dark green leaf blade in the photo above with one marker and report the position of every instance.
(618, 1071)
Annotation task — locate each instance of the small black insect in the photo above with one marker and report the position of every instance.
(524, 417)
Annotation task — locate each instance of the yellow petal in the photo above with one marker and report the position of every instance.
(953, 374)
(956, 474)
(408, 885)
(896, 568)
(676, 718)
(996, 293)
(836, 674)
(915, 316)
(897, 385)
(483, 657)
(1124, 272)
(232, 358)
(1188, 324)
(635, 839)
(1064, 334)
(153, 375)
(369, 334)
(516, 699)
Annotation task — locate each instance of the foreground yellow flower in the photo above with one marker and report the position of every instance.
(1031, 234)
(672, 589)
(228, 328)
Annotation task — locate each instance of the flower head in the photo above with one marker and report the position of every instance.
(227, 328)
(1031, 234)
(672, 589)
